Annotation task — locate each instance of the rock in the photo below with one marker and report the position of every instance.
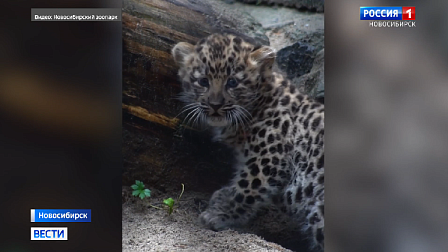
(311, 5)
(314, 38)
(312, 83)
(296, 60)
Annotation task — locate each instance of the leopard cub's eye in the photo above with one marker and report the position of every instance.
(204, 82)
(231, 83)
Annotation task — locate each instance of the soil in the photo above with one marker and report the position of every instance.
(149, 229)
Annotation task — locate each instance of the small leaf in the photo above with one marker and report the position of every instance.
(135, 193)
(135, 187)
(142, 195)
(169, 202)
(147, 192)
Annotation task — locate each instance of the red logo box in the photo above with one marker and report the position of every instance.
(408, 13)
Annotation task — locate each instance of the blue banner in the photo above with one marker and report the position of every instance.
(60, 215)
(380, 13)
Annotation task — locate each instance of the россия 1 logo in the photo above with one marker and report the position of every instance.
(389, 16)
(408, 13)
(387, 13)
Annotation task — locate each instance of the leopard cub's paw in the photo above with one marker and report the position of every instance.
(214, 221)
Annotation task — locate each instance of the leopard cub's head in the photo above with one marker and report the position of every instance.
(222, 76)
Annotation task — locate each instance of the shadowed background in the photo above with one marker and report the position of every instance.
(60, 117)
(386, 130)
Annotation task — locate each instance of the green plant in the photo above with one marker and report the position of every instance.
(170, 202)
(140, 190)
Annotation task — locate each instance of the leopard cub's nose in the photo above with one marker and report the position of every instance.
(215, 106)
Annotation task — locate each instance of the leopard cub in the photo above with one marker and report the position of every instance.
(277, 133)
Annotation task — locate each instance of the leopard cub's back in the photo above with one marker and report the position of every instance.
(289, 131)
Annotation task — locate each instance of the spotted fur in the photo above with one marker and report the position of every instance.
(277, 133)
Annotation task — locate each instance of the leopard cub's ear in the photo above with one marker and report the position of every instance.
(181, 51)
(264, 56)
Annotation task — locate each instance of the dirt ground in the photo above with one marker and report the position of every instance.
(149, 229)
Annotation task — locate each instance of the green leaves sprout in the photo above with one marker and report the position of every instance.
(170, 202)
(139, 190)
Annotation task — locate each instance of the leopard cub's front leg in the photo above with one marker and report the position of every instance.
(224, 211)
(238, 203)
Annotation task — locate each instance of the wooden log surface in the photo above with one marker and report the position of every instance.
(311, 5)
